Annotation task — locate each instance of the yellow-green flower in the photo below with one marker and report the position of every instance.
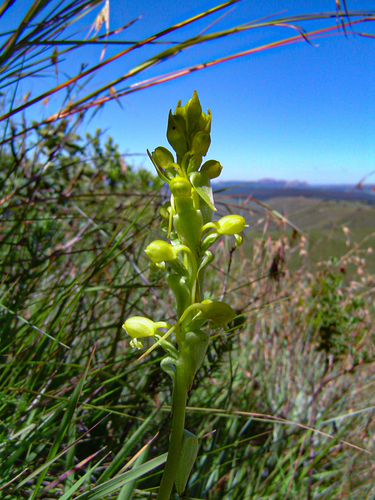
(161, 251)
(138, 326)
(229, 224)
(212, 168)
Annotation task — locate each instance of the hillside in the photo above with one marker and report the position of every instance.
(264, 190)
(315, 213)
(330, 228)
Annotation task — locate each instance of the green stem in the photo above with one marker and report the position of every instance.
(180, 394)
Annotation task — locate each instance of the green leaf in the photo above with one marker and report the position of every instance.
(127, 490)
(202, 184)
(128, 445)
(107, 488)
(68, 494)
(188, 455)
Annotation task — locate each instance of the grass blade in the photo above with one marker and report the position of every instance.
(65, 422)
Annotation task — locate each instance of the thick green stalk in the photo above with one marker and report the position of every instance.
(180, 394)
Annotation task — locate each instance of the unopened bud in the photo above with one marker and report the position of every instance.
(180, 110)
(162, 157)
(201, 143)
(239, 240)
(176, 134)
(212, 168)
(161, 251)
(193, 112)
(220, 313)
(180, 187)
(205, 122)
(164, 210)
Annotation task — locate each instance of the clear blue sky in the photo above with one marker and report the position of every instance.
(295, 112)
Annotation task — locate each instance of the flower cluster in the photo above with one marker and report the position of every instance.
(187, 218)
(187, 222)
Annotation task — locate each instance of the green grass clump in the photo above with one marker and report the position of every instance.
(279, 412)
(72, 267)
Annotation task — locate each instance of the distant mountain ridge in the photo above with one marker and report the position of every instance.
(268, 183)
(270, 188)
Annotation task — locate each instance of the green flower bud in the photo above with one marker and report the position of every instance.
(239, 240)
(201, 143)
(180, 187)
(138, 326)
(176, 134)
(212, 168)
(162, 157)
(164, 210)
(159, 251)
(181, 110)
(220, 313)
(193, 113)
(205, 122)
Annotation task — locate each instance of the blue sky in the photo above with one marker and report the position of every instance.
(295, 112)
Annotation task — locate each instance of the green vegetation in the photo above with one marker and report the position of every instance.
(283, 403)
(333, 228)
